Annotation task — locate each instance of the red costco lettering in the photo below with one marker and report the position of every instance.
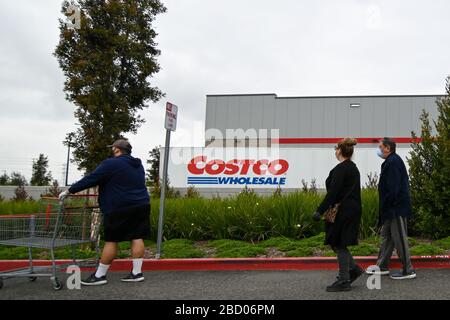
(199, 165)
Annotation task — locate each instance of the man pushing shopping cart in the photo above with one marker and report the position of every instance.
(125, 204)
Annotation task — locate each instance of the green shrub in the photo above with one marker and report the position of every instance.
(191, 192)
(235, 249)
(426, 249)
(300, 252)
(369, 218)
(20, 207)
(180, 248)
(281, 243)
(443, 243)
(363, 249)
(251, 217)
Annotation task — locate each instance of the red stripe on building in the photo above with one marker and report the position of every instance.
(336, 140)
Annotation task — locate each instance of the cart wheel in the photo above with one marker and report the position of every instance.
(32, 279)
(57, 284)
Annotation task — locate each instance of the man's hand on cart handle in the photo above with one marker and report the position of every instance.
(63, 195)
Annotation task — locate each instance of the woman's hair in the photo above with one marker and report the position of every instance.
(346, 147)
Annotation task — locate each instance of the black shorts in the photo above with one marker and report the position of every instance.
(127, 224)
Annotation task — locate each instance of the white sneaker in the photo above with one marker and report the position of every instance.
(376, 270)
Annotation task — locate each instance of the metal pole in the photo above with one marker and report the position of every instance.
(163, 195)
(67, 164)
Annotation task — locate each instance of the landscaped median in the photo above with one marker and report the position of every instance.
(277, 247)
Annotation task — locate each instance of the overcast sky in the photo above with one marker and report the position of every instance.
(287, 47)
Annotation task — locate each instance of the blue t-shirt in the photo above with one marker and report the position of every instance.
(121, 182)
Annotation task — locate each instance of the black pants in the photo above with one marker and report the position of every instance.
(345, 261)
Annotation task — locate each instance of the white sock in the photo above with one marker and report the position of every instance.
(102, 270)
(137, 266)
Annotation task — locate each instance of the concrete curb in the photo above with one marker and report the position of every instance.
(236, 264)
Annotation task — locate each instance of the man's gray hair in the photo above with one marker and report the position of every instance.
(388, 142)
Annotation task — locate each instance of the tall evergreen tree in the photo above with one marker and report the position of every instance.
(17, 179)
(40, 175)
(153, 171)
(4, 179)
(108, 62)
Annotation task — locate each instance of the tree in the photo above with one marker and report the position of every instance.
(170, 191)
(17, 179)
(192, 193)
(108, 62)
(429, 169)
(153, 171)
(152, 178)
(40, 175)
(54, 190)
(4, 179)
(20, 194)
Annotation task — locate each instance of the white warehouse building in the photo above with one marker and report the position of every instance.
(302, 130)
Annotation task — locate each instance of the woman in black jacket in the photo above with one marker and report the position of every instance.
(343, 187)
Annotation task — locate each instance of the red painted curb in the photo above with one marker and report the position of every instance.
(208, 264)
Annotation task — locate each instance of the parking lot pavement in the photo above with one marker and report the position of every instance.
(230, 285)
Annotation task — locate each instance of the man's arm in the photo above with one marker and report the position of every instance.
(99, 175)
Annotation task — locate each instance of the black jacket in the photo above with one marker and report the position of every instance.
(393, 189)
(343, 186)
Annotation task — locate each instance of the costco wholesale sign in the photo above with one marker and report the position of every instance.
(261, 167)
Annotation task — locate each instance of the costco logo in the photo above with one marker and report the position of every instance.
(236, 171)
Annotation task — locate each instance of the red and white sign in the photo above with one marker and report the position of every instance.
(171, 117)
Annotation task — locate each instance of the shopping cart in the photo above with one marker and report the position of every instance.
(74, 221)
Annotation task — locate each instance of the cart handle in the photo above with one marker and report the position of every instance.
(71, 196)
(20, 215)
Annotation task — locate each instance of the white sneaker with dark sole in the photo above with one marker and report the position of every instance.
(133, 278)
(92, 280)
(376, 270)
(401, 275)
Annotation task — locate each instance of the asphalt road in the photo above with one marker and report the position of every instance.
(230, 285)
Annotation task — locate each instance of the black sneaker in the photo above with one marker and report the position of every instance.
(92, 280)
(133, 278)
(355, 273)
(402, 275)
(340, 285)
